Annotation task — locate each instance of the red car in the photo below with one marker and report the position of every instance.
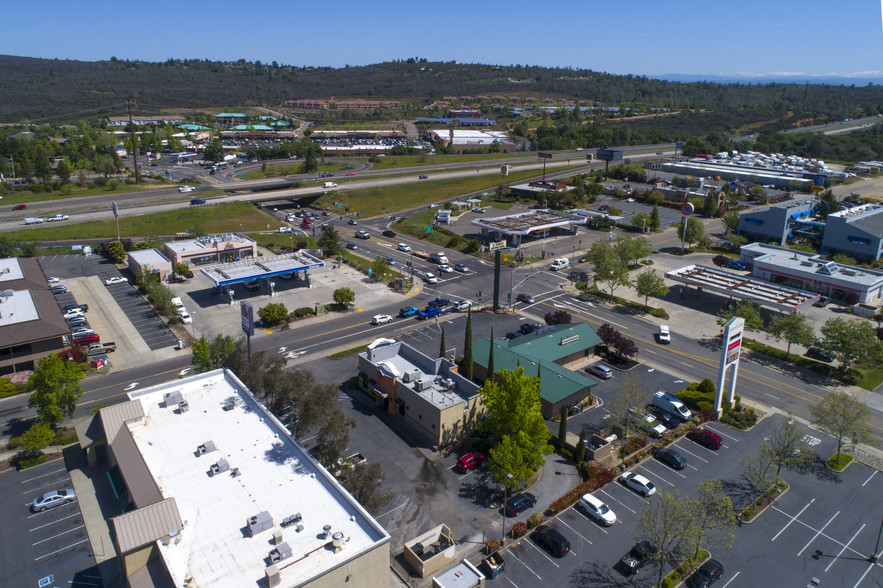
(87, 339)
(704, 437)
(470, 461)
(351, 174)
(20, 207)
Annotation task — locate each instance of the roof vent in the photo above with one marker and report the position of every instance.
(229, 404)
(327, 531)
(338, 541)
(220, 466)
(206, 447)
(291, 520)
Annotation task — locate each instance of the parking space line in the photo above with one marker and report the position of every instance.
(38, 514)
(62, 549)
(391, 510)
(819, 532)
(721, 433)
(870, 567)
(691, 453)
(619, 502)
(575, 531)
(844, 548)
(58, 535)
(658, 476)
(55, 521)
(43, 476)
(794, 518)
(667, 469)
(874, 473)
(731, 579)
(543, 553)
(515, 555)
(511, 582)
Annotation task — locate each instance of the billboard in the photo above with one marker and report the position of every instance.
(609, 155)
(542, 155)
(247, 315)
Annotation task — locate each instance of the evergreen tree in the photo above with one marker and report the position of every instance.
(490, 358)
(562, 429)
(441, 348)
(655, 221)
(466, 364)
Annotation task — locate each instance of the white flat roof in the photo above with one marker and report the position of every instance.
(277, 475)
(148, 257)
(532, 221)
(809, 266)
(16, 308)
(740, 286)
(261, 267)
(211, 243)
(10, 270)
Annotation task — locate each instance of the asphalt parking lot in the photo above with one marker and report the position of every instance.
(52, 544)
(152, 329)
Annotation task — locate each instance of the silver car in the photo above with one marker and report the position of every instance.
(53, 499)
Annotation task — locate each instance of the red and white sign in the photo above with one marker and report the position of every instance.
(687, 209)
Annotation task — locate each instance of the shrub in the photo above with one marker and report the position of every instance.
(658, 313)
(634, 443)
(492, 545)
(303, 311)
(852, 377)
(706, 386)
(519, 529)
(704, 405)
(600, 476)
(65, 439)
(24, 463)
(705, 415)
(535, 520)
(273, 313)
(749, 512)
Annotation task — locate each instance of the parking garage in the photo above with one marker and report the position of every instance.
(258, 273)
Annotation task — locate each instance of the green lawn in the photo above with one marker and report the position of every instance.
(26, 196)
(209, 219)
(396, 161)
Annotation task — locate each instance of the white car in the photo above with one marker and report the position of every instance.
(445, 268)
(185, 317)
(53, 280)
(115, 280)
(72, 313)
(664, 334)
(597, 510)
(53, 499)
(403, 247)
(462, 305)
(185, 189)
(430, 278)
(380, 319)
(629, 199)
(80, 331)
(58, 217)
(638, 483)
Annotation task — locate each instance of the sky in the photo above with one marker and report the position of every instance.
(803, 39)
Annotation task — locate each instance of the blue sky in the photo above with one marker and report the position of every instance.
(806, 38)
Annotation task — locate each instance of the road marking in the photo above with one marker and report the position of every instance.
(691, 453)
(43, 475)
(55, 521)
(575, 531)
(633, 511)
(869, 478)
(542, 552)
(722, 434)
(515, 555)
(833, 561)
(794, 518)
(60, 550)
(772, 396)
(131, 386)
(391, 510)
(731, 579)
(819, 532)
(870, 567)
(58, 535)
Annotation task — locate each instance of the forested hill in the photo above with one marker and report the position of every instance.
(52, 90)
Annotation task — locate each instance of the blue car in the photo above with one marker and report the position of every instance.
(390, 261)
(408, 311)
(429, 312)
(736, 265)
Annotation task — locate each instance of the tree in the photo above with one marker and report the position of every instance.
(714, 517)
(558, 317)
(466, 363)
(786, 447)
(509, 457)
(182, 269)
(214, 151)
(731, 221)
(843, 259)
(628, 404)
(332, 438)
(441, 345)
(365, 483)
(607, 334)
(695, 231)
(329, 240)
(849, 340)
(710, 205)
(610, 269)
(744, 309)
(38, 437)
(720, 261)
(649, 283)
(513, 410)
(666, 521)
(632, 249)
(562, 428)
(344, 296)
(641, 221)
(116, 251)
(792, 328)
(379, 268)
(273, 313)
(490, 357)
(54, 388)
(211, 355)
(42, 168)
(655, 220)
(757, 471)
(828, 204)
(310, 164)
(624, 346)
(63, 171)
(841, 415)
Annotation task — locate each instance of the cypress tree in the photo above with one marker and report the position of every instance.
(490, 358)
(466, 364)
(441, 348)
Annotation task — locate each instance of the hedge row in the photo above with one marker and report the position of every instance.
(602, 477)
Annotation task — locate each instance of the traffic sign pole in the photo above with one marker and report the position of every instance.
(686, 210)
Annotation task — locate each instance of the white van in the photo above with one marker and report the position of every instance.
(329, 185)
(597, 510)
(560, 264)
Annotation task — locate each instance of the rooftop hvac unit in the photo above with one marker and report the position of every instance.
(280, 552)
(229, 404)
(172, 398)
(272, 575)
(411, 376)
(206, 447)
(220, 466)
(423, 384)
(450, 384)
(183, 406)
(259, 522)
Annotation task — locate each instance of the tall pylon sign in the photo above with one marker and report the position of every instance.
(731, 347)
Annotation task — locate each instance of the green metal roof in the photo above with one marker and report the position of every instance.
(562, 341)
(230, 115)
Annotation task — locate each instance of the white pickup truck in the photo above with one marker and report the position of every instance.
(58, 217)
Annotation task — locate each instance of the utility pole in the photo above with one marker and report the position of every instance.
(805, 88)
(594, 117)
(130, 103)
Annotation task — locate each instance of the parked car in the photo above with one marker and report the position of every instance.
(709, 439)
(637, 556)
(462, 305)
(600, 370)
(185, 316)
(86, 339)
(670, 457)
(551, 540)
(526, 298)
(388, 233)
(440, 302)
(115, 280)
(403, 247)
(653, 427)
(53, 499)
(72, 313)
(736, 265)
(60, 289)
(519, 503)
(596, 510)
(819, 354)
(669, 420)
(461, 267)
(603, 207)
(83, 307)
(478, 209)
(530, 328)
(429, 312)
(638, 483)
(470, 461)
(408, 311)
(380, 319)
(53, 280)
(822, 302)
(79, 331)
(707, 574)
(77, 321)
(514, 335)
(363, 235)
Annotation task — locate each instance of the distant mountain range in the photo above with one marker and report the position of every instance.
(837, 79)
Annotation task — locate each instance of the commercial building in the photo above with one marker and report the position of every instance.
(217, 493)
(427, 395)
(459, 140)
(31, 325)
(554, 354)
(778, 222)
(226, 119)
(140, 121)
(533, 223)
(358, 104)
(149, 261)
(264, 270)
(783, 180)
(813, 273)
(856, 231)
(221, 248)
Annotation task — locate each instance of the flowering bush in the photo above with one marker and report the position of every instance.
(519, 529)
(599, 477)
(535, 520)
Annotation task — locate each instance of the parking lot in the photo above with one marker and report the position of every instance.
(39, 545)
(148, 324)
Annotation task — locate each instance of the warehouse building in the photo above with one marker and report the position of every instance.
(217, 492)
(778, 222)
(459, 140)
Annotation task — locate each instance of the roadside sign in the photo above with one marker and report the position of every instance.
(504, 169)
(116, 209)
(542, 155)
(609, 155)
(496, 245)
(428, 229)
(687, 209)
(247, 314)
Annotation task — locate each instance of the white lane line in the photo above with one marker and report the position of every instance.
(722, 434)
(60, 550)
(58, 535)
(731, 579)
(529, 569)
(575, 531)
(45, 512)
(685, 363)
(794, 518)
(621, 503)
(542, 552)
(691, 453)
(772, 395)
(391, 510)
(664, 468)
(654, 474)
(819, 532)
(27, 481)
(604, 320)
(874, 473)
(649, 351)
(511, 582)
(53, 522)
(844, 548)
(870, 567)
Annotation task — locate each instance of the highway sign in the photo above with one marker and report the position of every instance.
(496, 245)
(542, 155)
(428, 229)
(687, 209)
(609, 155)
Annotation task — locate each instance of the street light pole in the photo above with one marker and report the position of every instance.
(572, 261)
(874, 556)
(505, 500)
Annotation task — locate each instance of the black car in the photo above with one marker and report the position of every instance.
(670, 457)
(551, 540)
(422, 177)
(637, 556)
(439, 302)
(388, 233)
(603, 207)
(670, 422)
(514, 335)
(526, 298)
(530, 328)
(819, 354)
(706, 575)
(519, 504)
(327, 175)
(83, 307)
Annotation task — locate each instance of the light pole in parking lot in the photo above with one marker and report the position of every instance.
(876, 555)
(392, 209)
(505, 499)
